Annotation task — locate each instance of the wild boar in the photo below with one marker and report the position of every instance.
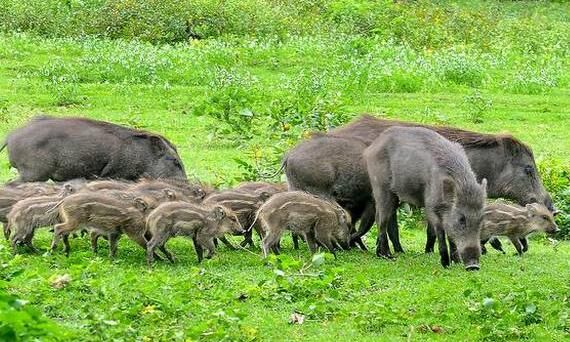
(103, 215)
(317, 220)
(419, 166)
(516, 222)
(200, 222)
(66, 148)
(506, 162)
(12, 194)
(243, 204)
(31, 213)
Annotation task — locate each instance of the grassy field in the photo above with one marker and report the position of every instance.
(232, 103)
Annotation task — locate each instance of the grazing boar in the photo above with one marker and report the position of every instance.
(244, 205)
(31, 213)
(317, 220)
(516, 222)
(201, 223)
(102, 215)
(506, 163)
(66, 148)
(333, 167)
(420, 167)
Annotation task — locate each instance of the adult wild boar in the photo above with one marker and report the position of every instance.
(420, 167)
(504, 161)
(66, 148)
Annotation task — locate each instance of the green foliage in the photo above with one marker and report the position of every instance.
(235, 84)
(477, 106)
(20, 322)
(556, 178)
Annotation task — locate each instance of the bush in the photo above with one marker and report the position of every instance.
(20, 322)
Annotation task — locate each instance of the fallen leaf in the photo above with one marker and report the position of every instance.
(436, 329)
(296, 318)
(61, 281)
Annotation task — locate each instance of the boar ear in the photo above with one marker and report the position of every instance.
(141, 204)
(170, 194)
(448, 190)
(531, 210)
(264, 196)
(68, 188)
(218, 213)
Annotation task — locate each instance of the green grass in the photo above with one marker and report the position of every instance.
(515, 80)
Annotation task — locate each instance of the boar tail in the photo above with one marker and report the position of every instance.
(281, 168)
(4, 144)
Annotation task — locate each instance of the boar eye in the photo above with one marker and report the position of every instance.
(545, 218)
(529, 170)
(462, 220)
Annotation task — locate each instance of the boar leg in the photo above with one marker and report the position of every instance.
(7, 231)
(431, 237)
(311, 241)
(113, 242)
(385, 209)
(517, 243)
(295, 238)
(454, 252)
(442, 243)
(227, 243)
(248, 239)
(323, 238)
(167, 253)
(207, 243)
(268, 242)
(94, 237)
(496, 244)
(394, 233)
(199, 249)
(366, 222)
(157, 240)
(524, 243)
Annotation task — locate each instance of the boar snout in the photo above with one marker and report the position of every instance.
(470, 257)
(554, 229)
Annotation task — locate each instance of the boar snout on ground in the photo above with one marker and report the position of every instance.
(102, 215)
(516, 223)
(318, 221)
(422, 168)
(199, 222)
(66, 148)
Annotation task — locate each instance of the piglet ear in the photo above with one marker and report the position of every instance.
(141, 204)
(218, 213)
(264, 196)
(530, 210)
(170, 194)
(68, 188)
